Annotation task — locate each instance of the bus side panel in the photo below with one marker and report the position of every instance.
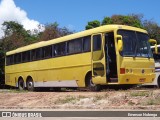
(67, 68)
(53, 70)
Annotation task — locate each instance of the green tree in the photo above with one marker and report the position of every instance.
(13, 35)
(106, 21)
(153, 29)
(52, 31)
(131, 20)
(92, 24)
(16, 36)
(2, 62)
(134, 20)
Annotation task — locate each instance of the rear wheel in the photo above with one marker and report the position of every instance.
(158, 82)
(30, 84)
(91, 86)
(21, 85)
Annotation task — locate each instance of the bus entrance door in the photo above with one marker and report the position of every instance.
(111, 61)
(98, 60)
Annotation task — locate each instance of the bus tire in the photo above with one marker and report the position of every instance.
(21, 85)
(158, 82)
(91, 86)
(30, 84)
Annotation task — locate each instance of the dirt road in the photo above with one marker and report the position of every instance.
(121, 99)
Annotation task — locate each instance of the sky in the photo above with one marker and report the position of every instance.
(73, 14)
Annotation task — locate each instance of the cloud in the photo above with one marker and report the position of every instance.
(10, 12)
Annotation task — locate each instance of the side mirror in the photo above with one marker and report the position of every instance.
(152, 41)
(120, 42)
(155, 44)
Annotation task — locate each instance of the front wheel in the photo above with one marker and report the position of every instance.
(30, 85)
(91, 86)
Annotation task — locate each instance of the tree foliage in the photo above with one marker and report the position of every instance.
(93, 24)
(135, 20)
(15, 36)
(131, 20)
(53, 31)
(153, 30)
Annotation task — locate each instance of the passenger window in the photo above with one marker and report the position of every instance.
(75, 46)
(71, 47)
(9, 60)
(26, 56)
(47, 51)
(38, 54)
(33, 55)
(97, 42)
(60, 49)
(17, 58)
(78, 46)
(87, 44)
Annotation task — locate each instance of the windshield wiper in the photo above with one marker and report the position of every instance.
(135, 51)
(148, 54)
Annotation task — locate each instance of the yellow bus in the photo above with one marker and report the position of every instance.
(156, 57)
(107, 55)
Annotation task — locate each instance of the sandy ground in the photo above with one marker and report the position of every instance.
(148, 99)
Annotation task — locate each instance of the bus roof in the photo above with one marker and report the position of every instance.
(100, 29)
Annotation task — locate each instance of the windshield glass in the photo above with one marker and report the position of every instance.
(135, 44)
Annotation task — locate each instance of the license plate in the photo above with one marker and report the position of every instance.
(142, 80)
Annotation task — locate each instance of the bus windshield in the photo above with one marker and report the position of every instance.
(135, 44)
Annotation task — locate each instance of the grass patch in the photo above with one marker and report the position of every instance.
(131, 103)
(97, 98)
(152, 101)
(13, 91)
(141, 93)
(67, 99)
(81, 97)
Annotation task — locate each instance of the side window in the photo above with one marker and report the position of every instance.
(12, 59)
(33, 55)
(78, 45)
(75, 46)
(97, 42)
(53, 51)
(60, 49)
(17, 58)
(71, 46)
(9, 60)
(87, 44)
(26, 56)
(47, 52)
(38, 53)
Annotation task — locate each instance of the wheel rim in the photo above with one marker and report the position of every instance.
(30, 84)
(91, 83)
(21, 85)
